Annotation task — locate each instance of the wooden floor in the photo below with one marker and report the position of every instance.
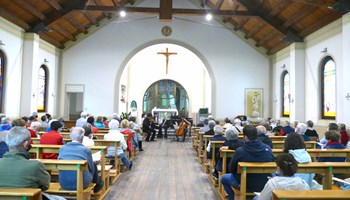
(165, 170)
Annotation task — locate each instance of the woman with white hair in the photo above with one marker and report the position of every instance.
(301, 129)
(231, 142)
(218, 131)
(33, 129)
(115, 135)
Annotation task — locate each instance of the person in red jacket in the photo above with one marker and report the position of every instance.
(52, 137)
(344, 138)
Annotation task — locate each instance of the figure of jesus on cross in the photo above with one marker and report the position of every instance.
(167, 54)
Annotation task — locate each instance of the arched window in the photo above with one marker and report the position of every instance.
(42, 85)
(328, 89)
(286, 99)
(2, 78)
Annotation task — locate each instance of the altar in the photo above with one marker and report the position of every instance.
(163, 114)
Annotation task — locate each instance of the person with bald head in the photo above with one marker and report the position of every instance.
(262, 135)
(75, 150)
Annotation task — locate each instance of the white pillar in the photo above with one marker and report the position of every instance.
(297, 81)
(344, 117)
(29, 82)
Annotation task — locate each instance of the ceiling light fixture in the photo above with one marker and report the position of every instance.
(122, 13)
(209, 17)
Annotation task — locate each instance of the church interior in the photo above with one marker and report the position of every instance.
(279, 60)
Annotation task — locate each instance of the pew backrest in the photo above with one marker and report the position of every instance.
(310, 194)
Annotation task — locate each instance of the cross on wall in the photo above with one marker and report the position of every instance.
(347, 96)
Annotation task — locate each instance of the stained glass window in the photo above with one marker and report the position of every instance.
(166, 94)
(2, 78)
(286, 94)
(42, 92)
(328, 89)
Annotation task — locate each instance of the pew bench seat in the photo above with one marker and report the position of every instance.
(20, 193)
(55, 188)
(310, 194)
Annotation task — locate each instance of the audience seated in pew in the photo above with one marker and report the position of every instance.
(311, 132)
(16, 170)
(33, 129)
(294, 145)
(82, 120)
(75, 150)
(3, 146)
(52, 137)
(333, 142)
(286, 129)
(115, 135)
(126, 131)
(301, 129)
(87, 140)
(98, 123)
(263, 137)
(138, 135)
(231, 142)
(331, 127)
(218, 130)
(287, 166)
(344, 138)
(252, 151)
(211, 125)
(205, 126)
(91, 120)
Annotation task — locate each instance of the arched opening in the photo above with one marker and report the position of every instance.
(328, 88)
(285, 91)
(146, 67)
(2, 79)
(42, 89)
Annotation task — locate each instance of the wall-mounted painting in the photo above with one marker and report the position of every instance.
(254, 102)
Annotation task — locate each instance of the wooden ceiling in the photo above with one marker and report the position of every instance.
(272, 24)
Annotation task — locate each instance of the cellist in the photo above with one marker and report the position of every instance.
(182, 131)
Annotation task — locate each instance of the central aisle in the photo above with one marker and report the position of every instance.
(164, 171)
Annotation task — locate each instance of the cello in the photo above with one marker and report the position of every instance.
(182, 126)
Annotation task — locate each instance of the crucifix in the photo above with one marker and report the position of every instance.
(347, 96)
(167, 54)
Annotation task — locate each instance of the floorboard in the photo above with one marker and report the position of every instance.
(164, 170)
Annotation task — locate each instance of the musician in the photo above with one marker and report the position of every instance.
(148, 129)
(183, 129)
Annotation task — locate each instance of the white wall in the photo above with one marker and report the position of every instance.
(335, 38)
(21, 79)
(99, 60)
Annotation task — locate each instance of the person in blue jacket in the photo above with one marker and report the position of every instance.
(252, 151)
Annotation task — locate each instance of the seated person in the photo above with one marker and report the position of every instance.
(75, 150)
(294, 144)
(211, 125)
(344, 138)
(311, 132)
(231, 142)
(287, 166)
(90, 120)
(16, 170)
(252, 151)
(115, 135)
(33, 129)
(333, 142)
(262, 135)
(98, 123)
(218, 130)
(286, 129)
(301, 129)
(205, 126)
(331, 127)
(3, 146)
(52, 137)
(5, 124)
(87, 140)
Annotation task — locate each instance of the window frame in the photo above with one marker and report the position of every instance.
(3, 66)
(284, 73)
(322, 68)
(44, 67)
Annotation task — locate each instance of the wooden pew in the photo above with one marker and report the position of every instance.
(75, 165)
(20, 194)
(224, 154)
(310, 194)
(195, 137)
(115, 171)
(200, 147)
(206, 164)
(280, 144)
(213, 146)
(328, 168)
(39, 149)
(37, 140)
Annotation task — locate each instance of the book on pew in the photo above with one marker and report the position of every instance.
(96, 157)
(340, 180)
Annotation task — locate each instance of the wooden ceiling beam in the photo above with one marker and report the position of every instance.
(63, 32)
(267, 38)
(14, 19)
(284, 4)
(90, 18)
(165, 10)
(98, 3)
(219, 4)
(320, 23)
(278, 47)
(76, 24)
(54, 4)
(51, 17)
(254, 30)
(273, 21)
(49, 39)
(30, 8)
(241, 23)
(306, 10)
(175, 11)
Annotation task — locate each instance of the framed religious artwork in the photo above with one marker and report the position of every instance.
(254, 102)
